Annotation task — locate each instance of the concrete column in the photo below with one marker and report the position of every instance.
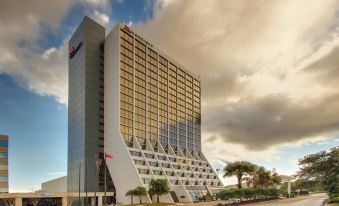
(18, 201)
(64, 201)
(92, 201)
(289, 188)
(100, 201)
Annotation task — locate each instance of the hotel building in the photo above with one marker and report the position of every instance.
(3, 164)
(132, 101)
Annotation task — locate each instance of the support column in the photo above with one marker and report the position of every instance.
(99, 200)
(289, 188)
(92, 201)
(18, 201)
(64, 201)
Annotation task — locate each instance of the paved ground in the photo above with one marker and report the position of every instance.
(312, 200)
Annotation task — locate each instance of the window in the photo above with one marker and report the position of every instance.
(3, 155)
(153, 164)
(143, 171)
(137, 154)
(3, 143)
(157, 172)
(146, 180)
(150, 156)
(3, 179)
(3, 167)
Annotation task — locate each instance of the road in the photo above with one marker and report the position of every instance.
(312, 200)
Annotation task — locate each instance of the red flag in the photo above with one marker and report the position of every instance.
(107, 156)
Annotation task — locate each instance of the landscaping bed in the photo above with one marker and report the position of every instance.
(245, 202)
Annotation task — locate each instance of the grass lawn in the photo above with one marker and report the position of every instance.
(332, 204)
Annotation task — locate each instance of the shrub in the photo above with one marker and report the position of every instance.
(304, 193)
(334, 198)
(249, 193)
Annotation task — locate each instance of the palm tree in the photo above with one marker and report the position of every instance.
(239, 169)
(276, 179)
(262, 178)
(140, 191)
(131, 193)
(158, 187)
(248, 180)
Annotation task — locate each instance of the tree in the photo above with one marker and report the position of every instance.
(140, 191)
(322, 167)
(262, 178)
(276, 179)
(248, 180)
(239, 169)
(309, 185)
(158, 187)
(131, 193)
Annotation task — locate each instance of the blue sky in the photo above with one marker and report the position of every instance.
(37, 124)
(269, 78)
(37, 127)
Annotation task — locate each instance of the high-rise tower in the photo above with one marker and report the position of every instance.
(85, 104)
(151, 121)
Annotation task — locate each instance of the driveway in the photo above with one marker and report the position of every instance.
(312, 200)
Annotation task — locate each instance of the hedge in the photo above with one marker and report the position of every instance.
(249, 194)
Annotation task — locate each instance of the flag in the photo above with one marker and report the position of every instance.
(108, 156)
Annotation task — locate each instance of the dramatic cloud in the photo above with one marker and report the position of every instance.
(269, 69)
(101, 18)
(23, 55)
(21, 25)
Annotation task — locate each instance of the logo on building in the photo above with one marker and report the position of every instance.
(128, 29)
(73, 51)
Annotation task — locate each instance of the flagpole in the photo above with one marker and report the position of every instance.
(86, 203)
(105, 178)
(96, 181)
(79, 182)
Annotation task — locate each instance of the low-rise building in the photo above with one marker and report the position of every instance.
(3, 164)
(55, 185)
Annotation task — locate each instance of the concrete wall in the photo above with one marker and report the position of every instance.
(121, 167)
(55, 185)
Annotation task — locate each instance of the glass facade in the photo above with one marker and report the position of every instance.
(159, 101)
(86, 106)
(159, 106)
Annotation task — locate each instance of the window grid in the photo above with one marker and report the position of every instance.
(159, 100)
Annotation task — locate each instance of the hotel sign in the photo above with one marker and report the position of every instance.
(129, 30)
(73, 51)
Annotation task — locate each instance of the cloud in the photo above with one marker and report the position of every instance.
(41, 70)
(101, 18)
(268, 68)
(56, 173)
(23, 56)
(259, 123)
(97, 2)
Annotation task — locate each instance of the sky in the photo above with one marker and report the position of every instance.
(269, 72)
